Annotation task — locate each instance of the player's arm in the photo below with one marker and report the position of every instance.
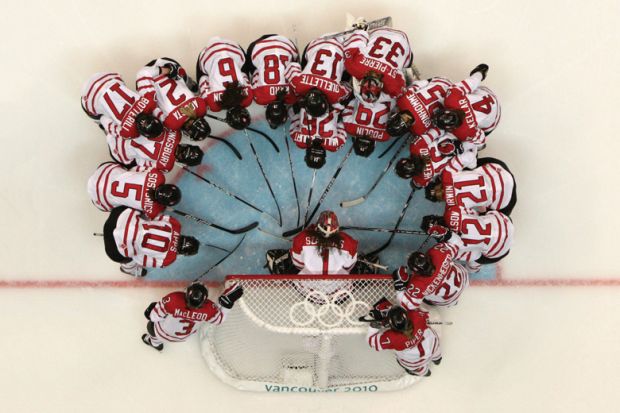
(145, 86)
(355, 42)
(158, 311)
(296, 252)
(465, 157)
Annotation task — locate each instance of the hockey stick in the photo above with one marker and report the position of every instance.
(382, 22)
(230, 145)
(231, 252)
(290, 162)
(372, 264)
(211, 224)
(357, 201)
(230, 194)
(310, 194)
(322, 198)
(262, 170)
(396, 231)
(400, 218)
(263, 134)
(389, 147)
(366, 319)
(216, 247)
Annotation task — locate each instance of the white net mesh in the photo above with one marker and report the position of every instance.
(302, 334)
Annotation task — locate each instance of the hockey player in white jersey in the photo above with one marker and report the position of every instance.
(491, 186)
(327, 129)
(266, 61)
(470, 111)
(164, 80)
(143, 189)
(223, 84)
(378, 58)
(178, 315)
(107, 100)
(407, 332)
(138, 243)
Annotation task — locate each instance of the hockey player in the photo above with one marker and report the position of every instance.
(430, 156)
(265, 62)
(470, 112)
(223, 84)
(179, 314)
(160, 152)
(406, 332)
(327, 129)
(143, 189)
(378, 58)
(434, 278)
(367, 122)
(136, 242)
(166, 81)
(491, 186)
(319, 83)
(479, 239)
(107, 100)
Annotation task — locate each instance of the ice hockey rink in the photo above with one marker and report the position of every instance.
(538, 333)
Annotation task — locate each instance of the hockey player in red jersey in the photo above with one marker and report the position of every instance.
(434, 278)
(223, 84)
(266, 61)
(379, 55)
(107, 100)
(491, 186)
(479, 239)
(470, 112)
(166, 81)
(406, 332)
(143, 189)
(431, 154)
(137, 242)
(179, 314)
(319, 82)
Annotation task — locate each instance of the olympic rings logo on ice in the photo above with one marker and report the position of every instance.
(328, 310)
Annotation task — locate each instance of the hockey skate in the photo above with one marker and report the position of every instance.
(147, 340)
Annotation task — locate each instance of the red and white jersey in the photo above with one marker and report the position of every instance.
(421, 99)
(219, 64)
(489, 235)
(323, 70)
(106, 97)
(488, 187)
(334, 260)
(156, 153)
(176, 102)
(149, 243)
(429, 146)
(361, 118)
(269, 57)
(383, 50)
(328, 127)
(174, 321)
(443, 287)
(112, 185)
(481, 108)
(414, 352)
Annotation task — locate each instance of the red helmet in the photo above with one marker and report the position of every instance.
(327, 224)
(371, 87)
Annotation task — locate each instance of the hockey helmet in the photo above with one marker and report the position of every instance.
(327, 225)
(148, 126)
(197, 129)
(363, 146)
(187, 245)
(167, 195)
(189, 155)
(398, 319)
(371, 87)
(420, 263)
(315, 154)
(399, 123)
(276, 113)
(238, 118)
(315, 103)
(196, 295)
(448, 119)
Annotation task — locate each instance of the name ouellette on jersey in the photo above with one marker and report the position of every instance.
(105, 97)
(266, 61)
(219, 63)
(176, 103)
(149, 243)
(112, 185)
(443, 287)
(174, 321)
(384, 50)
(338, 259)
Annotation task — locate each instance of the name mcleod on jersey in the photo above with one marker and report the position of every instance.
(191, 315)
(128, 125)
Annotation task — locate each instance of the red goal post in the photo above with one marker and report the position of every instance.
(291, 333)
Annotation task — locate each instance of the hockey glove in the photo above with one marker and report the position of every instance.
(400, 278)
(147, 312)
(482, 68)
(431, 220)
(173, 70)
(230, 295)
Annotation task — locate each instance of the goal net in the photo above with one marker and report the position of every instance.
(302, 334)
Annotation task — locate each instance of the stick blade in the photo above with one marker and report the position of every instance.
(290, 232)
(352, 203)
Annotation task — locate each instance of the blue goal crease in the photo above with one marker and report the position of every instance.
(243, 178)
